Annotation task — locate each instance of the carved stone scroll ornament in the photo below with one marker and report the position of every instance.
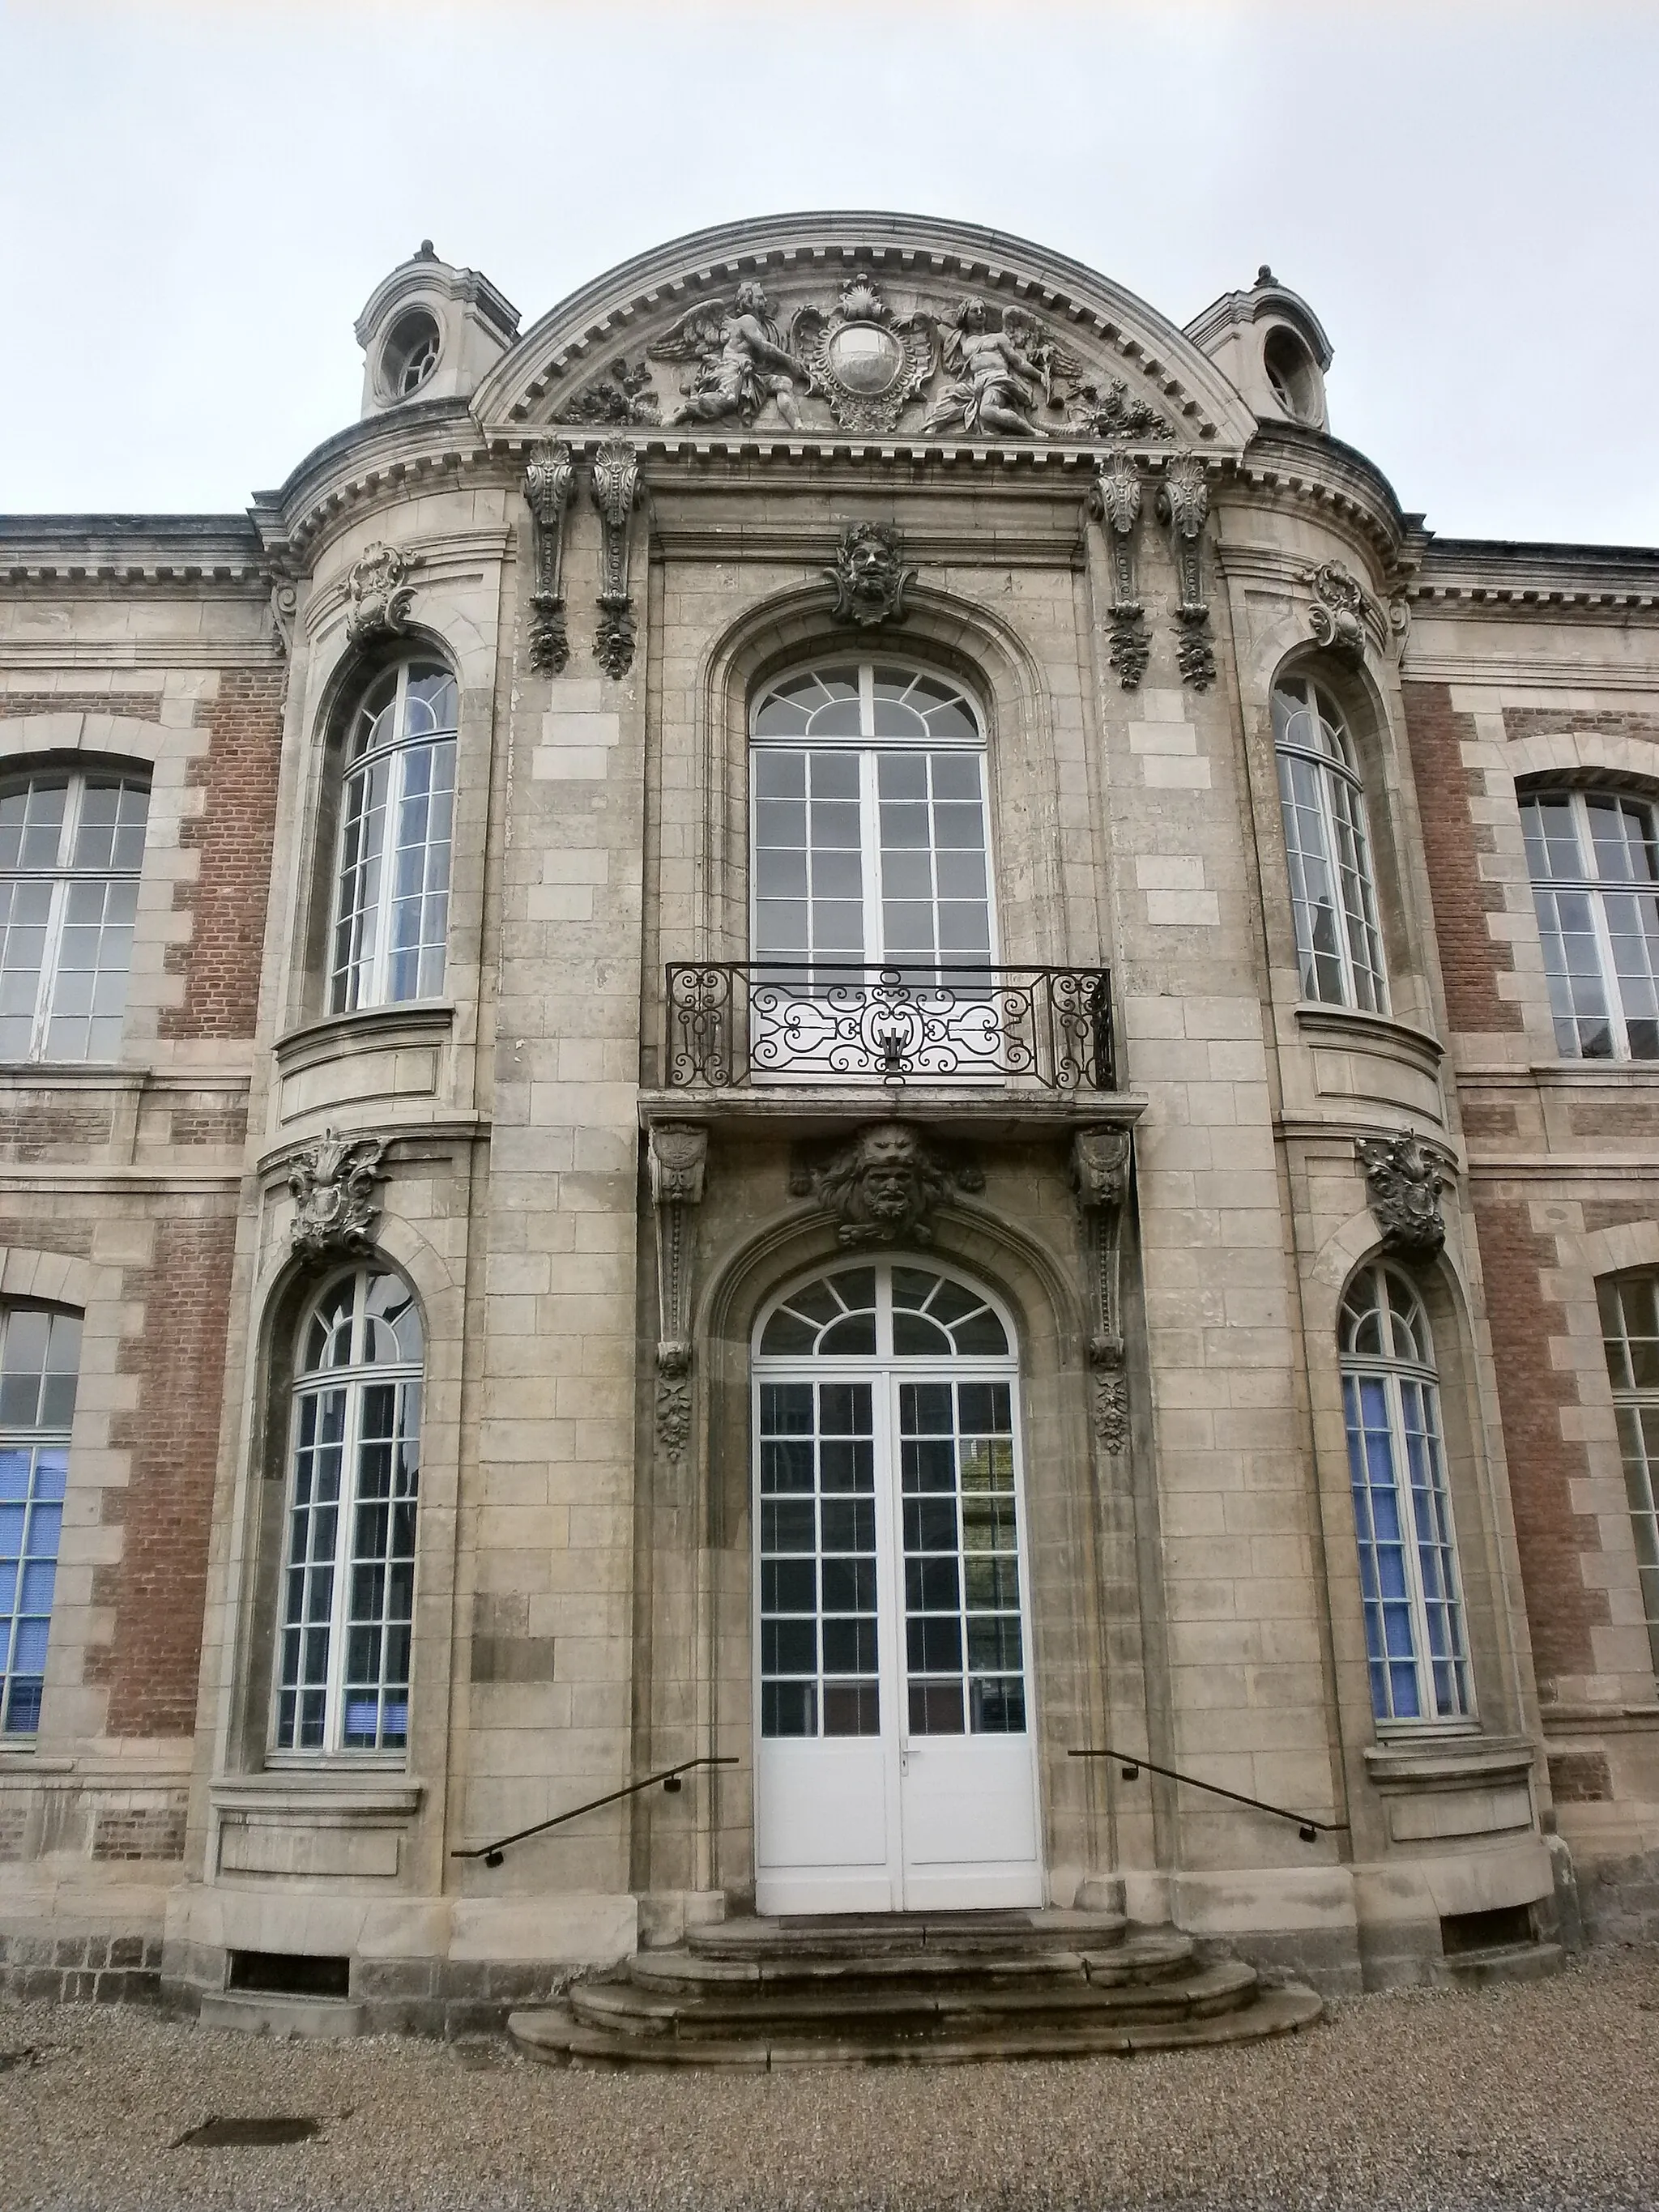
(1183, 503)
(547, 483)
(284, 606)
(1403, 1183)
(870, 576)
(865, 367)
(335, 1209)
(1100, 1178)
(378, 598)
(615, 491)
(1114, 500)
(1343, 616)
(677, 1156)
(883, 1184)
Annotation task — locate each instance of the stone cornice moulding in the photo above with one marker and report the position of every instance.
(660, 284)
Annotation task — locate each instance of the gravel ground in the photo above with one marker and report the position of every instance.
(1537, 2096)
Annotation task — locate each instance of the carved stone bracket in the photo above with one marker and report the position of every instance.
(615, 489)
(547, 488)
(1184, 504)
(1114, 500)
(380, 598)
(335, 1209)
(1100, 1177)
(870, 576)
(883, 1184)
(677, 1156)
(1344, 617)
(284, 606)
(1403, 1183)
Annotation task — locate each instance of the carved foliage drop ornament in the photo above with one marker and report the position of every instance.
(865, 367)
(547, 483)
(1183, 502)
(335, 1209)
(1403, 1183)
(1100, 1177)
(870, 576)
(675, 1157)
(379, 598)
(615, 491)
(883, 1185)
(1115, 498)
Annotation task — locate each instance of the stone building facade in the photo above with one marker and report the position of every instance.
(838, 1017)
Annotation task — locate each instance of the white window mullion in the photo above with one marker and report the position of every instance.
(46, 985)
(1330, 830)
(339, 1609)
(875, 934)
(1596, 900)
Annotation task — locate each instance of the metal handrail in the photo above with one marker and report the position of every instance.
(1306, 1827)
(491, 1853)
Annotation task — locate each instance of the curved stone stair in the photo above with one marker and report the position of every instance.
(940, 1989)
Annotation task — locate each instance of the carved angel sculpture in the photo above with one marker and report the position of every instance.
(741, 360)
(1000, 376)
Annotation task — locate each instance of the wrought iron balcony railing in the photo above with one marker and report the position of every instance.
(733, 1023)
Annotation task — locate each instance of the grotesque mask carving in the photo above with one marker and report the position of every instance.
(885, 1185)
(870, 576)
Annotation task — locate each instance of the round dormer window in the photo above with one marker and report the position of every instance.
(411, 353)
(1293, 375)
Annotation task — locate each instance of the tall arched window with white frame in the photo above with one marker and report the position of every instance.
(347, 1604)
(40, 1367)
(396, 813)
(1338, 947)
(1593, 857)
(71, 849)
(1416, 1647)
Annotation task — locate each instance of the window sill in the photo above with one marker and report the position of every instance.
(1452, 1760)
(370, 1029)
(1363, 1032)
(374, 1794)
(1609, 1074)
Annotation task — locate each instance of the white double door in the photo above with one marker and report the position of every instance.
(895, 1753)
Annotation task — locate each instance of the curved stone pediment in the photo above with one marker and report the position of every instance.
(877, 325)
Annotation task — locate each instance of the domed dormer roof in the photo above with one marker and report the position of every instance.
(1272, 347)
(430, 331)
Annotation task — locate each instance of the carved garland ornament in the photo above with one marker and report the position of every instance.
(677, 1156)
(615, 489)
(335, 1209)
(547, 483)
(883, 1184)
(1183, 503)
(1114, 500)
(379, 598)
(1403, 1183)
(870, 576)
(1100, 1177)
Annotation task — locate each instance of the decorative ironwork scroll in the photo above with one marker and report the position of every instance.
(1183, 503)
(677, 1156)
(1100, 1176)
(1114, 500)
(335, 1209)
(729, 1022)
(615, 491)
(547, 483)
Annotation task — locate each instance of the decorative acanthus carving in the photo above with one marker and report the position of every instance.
(335, 1209)
(677, 1155)
(1114, 412)
(870, 576)
(1000, 376)
(865, 367)
(1100, 1177)
(379, 598)
(1403, 1183)
(547, 483)
(1115, 498)
(1183, 503)
(1344, 617)
(625, 396)
(883, 1184)
(741, 360)
(615, 494)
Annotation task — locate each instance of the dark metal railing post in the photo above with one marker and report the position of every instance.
(492, 1854)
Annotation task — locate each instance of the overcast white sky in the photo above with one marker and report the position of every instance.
(196, 200)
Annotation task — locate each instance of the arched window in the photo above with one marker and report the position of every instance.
(1408, 1578)
(39, 1362)
(869, 821)
(392, 904)
(1333, 902)
(1593, 861)
(348, 1565)
(1629, 1333)
(71, 846)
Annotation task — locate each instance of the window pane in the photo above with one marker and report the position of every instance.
(819, 1659)
(39, 1352)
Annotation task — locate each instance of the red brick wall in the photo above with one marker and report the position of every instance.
(1531, 1393)
(1470, 960)
(235, 833)
(158, 1588)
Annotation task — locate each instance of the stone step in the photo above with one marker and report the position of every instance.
(1141, 1958)
(889, 1934)
(556, 2037)
(964, 2005)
